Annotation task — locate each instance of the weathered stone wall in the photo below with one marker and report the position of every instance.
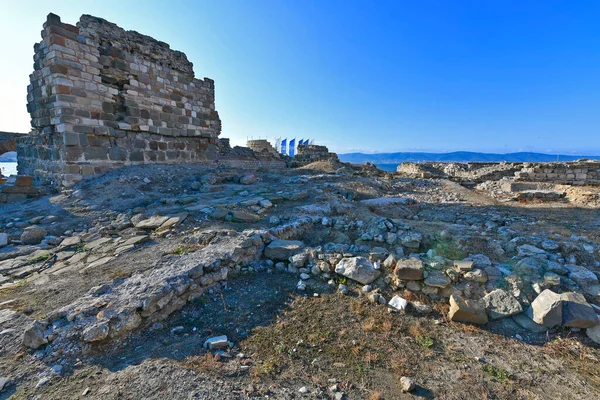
(585, 172)
(311, 153)
(101, 97)
(261, 145)
(575, 173)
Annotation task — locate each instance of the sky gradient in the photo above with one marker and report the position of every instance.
(373, 76)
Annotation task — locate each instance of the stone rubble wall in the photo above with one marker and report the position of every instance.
(110, 312)
(101, 97)
(113, 312)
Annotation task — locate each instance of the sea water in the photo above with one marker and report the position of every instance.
(8, 168)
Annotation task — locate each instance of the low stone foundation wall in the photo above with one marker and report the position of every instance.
(576, 173)
(571, 173)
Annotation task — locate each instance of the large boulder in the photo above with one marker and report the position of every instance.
(546, 309)
(576, 312)
(462, 310)
(410, 270)
(501, 304)
(33, 235)
(282, 250)
(358, 269)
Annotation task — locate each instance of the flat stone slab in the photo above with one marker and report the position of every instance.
(135, 240)
(70, 242)
(282, 250)
(151, 223)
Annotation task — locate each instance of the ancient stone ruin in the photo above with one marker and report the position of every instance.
(101, 97)
(582, 172)
(260, 145)
(312, 153)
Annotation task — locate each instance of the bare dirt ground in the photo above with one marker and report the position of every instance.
(290, 344)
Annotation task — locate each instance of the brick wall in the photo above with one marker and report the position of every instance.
(101, 97)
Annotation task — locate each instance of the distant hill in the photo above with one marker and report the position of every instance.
(11, 156)
(458, 156)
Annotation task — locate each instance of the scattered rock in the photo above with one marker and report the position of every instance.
(96, 333)
(358, 269)
(408, 385)
(594, 333)
(398, 303)
(476, 275)
(412, 240)
(217, 343)
(33, 337)
(501, 304)
(576, 312)
(410, 269)
(546, 309)
(463, 310)
(463, 266)
(33, 235)
(437, 279)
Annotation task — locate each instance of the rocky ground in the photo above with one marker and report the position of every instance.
(328, 281)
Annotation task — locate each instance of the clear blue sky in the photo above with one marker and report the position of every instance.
(372, 76)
